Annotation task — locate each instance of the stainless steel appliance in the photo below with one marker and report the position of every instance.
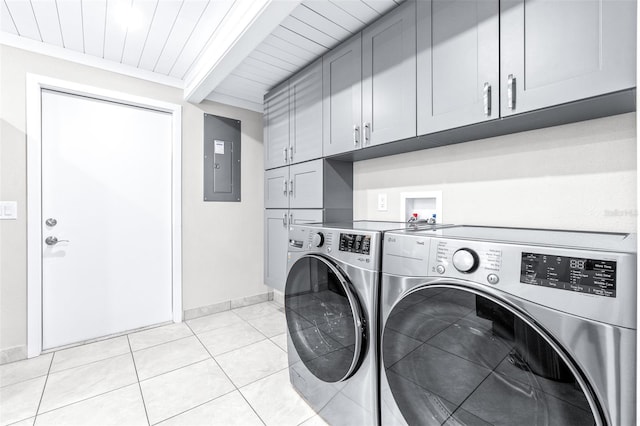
(498, 326)
(331, 301)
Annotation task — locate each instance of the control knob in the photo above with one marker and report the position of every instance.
(317, 240)
(465, 260)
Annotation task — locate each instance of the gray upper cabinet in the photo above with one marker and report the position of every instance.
(389, 77)
(276, 127)
(553, 52)
(457, 63)
(305, 109)
(341, 103)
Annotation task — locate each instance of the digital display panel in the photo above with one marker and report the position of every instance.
(592, 276)
(355, 243)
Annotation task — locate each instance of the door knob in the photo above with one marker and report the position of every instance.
(51, 222)
(52, 241)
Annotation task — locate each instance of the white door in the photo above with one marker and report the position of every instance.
(106, 182)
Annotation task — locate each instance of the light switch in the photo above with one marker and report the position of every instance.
(8, 210)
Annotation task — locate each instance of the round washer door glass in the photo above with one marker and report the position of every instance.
(452, 356)
(324, 319)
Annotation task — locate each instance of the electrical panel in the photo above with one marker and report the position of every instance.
(221, 159)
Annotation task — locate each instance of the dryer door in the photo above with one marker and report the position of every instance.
(454, 356)
(324, 318)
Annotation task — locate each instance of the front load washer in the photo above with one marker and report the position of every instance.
(331, 306)
(499, 326)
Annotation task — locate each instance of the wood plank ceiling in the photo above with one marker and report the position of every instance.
(170, 39)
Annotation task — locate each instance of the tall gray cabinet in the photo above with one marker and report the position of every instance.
(299, 185)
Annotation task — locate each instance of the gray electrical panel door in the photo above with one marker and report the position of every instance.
(341, 100)
(457, 63)
(305, 107)
(553, 52)
(389, 77)
(221, 159)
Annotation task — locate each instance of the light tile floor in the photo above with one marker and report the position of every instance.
(223, 369)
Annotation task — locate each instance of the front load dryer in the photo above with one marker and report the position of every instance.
(499, 326)
(331, 306)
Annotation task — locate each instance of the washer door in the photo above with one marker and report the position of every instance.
(452, 355)
(324, 318)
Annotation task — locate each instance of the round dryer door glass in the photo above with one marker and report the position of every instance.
(451, 356)
(324, 319)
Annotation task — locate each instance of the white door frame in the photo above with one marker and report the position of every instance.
(35, 84)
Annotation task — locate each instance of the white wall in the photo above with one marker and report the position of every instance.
(578, 176)
(222, 242)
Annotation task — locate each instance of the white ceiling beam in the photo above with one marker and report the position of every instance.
(245, 27)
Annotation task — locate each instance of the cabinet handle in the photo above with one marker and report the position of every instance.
(291, 187)
(486, 96)
(356, 135)
(367, 133)
(284, 187)
(291, 153)
(290, 218)
(285, 154)
(511, 92)
(284, 220)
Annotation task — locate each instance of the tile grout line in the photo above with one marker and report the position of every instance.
(46, 380)
(159, 344)
(193, 408)
(227, 376)
(138, 379)
(86, 399)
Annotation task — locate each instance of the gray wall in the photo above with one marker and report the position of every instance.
(578, 176)
(214, 269)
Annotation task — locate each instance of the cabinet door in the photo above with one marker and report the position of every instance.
(561, 51)
(457, 63)
(276, 127)
(276, 234)
(276, 188)
(341, 99)
(389, 77)
(305, 185)
(305, 111)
